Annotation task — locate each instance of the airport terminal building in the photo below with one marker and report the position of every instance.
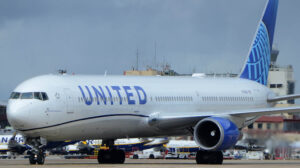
(3, 118)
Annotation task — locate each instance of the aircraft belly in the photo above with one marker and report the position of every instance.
(102, 128)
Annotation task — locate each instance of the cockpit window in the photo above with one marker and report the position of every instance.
(44, 95)
(27, 95)
(15, 95)
(37, 95)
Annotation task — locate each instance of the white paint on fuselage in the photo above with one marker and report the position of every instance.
(65, 116)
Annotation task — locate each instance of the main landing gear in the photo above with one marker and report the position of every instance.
(112, 155)
(209, 157)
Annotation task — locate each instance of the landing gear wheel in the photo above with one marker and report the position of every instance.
(218, 157)
(103, 156)
(40, 159)
(209, 157)
(111, 156)
(120, 154)
(37, 159)
(32, 159)
(151, 156)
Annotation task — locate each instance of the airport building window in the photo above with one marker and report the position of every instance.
(279, 85)
(259, 125)
(268, 126)
(276, 126)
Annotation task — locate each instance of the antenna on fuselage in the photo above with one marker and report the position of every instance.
(62, 71)
(155, 55)
(137, 59)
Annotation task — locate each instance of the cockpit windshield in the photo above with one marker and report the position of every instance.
(15, 95)
(26, 95)
(29, 95)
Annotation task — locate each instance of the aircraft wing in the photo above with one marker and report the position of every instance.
(190, 119)
(265, 111)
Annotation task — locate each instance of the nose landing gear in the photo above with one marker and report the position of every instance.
(112, 155)
(37, 153)
(37, 158)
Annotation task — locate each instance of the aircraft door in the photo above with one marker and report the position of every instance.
(70, 109)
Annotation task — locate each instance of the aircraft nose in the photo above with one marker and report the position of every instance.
(16, 114)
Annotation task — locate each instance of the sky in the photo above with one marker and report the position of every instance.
(97, 36)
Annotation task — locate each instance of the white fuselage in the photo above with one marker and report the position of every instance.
(70, 115)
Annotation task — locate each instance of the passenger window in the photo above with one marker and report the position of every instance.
(27, 95)
(15, 95)
(45, 97)
(37, 95)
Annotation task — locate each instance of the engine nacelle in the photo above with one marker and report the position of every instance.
(215, 133)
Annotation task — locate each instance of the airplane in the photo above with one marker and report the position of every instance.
(88, 146)
(82, 147)
(127, 145)
(157, 143)
(53, 108)
(136, 144)
(12, 143)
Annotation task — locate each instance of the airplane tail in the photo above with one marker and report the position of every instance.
(257, 64)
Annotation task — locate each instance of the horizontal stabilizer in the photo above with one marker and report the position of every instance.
(287, 97)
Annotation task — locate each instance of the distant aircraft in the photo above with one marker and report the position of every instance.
(127, 145)
(12, 143)
(50, 109)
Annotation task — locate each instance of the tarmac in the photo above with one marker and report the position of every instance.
(147, 163)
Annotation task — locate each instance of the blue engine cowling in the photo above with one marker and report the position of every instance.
(215, 133)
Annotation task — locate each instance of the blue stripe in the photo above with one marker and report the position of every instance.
(255, 71)
(249, 71)
(82, 119)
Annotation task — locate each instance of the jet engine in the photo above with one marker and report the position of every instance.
(215, 133)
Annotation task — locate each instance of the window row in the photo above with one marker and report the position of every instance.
(174, 98)
(227, 98)
(157, 98)
(276, 85)
(267, 126)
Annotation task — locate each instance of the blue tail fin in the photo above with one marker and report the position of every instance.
(258, 61)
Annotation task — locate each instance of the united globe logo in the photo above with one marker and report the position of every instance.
(257, 67)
